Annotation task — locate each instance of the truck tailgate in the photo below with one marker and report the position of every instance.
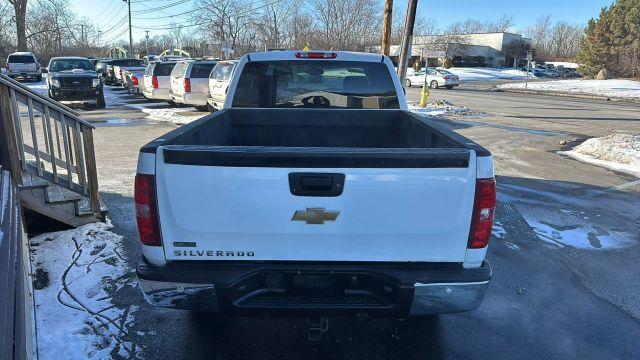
(238, 212)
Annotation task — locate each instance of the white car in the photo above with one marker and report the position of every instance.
(23, 65)
(157, 80)
(190, 82)
(315, 193)
(435, 78)
(219, 81)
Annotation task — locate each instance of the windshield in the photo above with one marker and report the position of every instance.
(70, 64)
(317, 84)
(222, 71)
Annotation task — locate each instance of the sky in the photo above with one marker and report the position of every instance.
(110, 15)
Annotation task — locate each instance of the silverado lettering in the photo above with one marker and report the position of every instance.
(211, 253)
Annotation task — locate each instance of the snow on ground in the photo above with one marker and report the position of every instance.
(442, 107)
(76, 272)
(627, 89)
(4, 196)
(173, 115)
(39, 87)
(581, 236)
(619, 152)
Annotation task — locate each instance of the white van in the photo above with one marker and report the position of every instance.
(219, 81)
(23, 65)
(190, 82)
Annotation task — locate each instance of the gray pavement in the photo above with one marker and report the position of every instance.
(547, 299)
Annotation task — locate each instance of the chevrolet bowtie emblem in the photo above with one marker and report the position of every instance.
(315, 215)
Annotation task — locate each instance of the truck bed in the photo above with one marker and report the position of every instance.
(315, 138)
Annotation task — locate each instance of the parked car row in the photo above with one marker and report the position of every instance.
(552, 71)
(199, 83)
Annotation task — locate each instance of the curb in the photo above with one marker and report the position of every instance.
(569, 95)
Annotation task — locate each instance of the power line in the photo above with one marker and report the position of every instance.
(174, 24)
(179, 2)
(116, 25)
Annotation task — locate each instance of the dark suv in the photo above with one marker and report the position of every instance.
(74, 79)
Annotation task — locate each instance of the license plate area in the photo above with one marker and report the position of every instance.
(315, 291)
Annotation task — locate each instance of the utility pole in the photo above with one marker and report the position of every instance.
(146, 41)
(130, 33)
(407, 36)
(386, 31)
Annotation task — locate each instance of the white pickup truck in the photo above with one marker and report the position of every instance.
(314, 192)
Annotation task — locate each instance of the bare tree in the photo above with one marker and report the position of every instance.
(503, 24)
(272, 23)
(228, 22)
(346, 24)
(20, 9)
(559, 41)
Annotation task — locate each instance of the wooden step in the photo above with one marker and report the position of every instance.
(56, 194)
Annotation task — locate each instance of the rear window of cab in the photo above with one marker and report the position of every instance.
(21, 59)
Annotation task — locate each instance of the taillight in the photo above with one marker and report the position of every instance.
(154, 82)
(187, 85)
(316, 55)
(134, 80)
(483, 208)
(147, 210)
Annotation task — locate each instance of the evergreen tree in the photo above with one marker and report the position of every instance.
(612, 41)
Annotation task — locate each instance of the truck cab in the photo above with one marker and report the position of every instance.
(73, 78)
(314, 192)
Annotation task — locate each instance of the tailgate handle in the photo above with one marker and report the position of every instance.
(316, 184)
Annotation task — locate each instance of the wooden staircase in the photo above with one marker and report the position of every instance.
(50, 153)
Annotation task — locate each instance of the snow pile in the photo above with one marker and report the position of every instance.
(75, 276)
(627, 89)
(178, 116)
(442, 107)
(619, 152)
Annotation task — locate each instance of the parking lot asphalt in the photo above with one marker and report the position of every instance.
(549, 297)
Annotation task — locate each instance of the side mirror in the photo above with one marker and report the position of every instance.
(44, 70)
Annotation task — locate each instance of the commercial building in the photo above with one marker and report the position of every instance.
(481, 49)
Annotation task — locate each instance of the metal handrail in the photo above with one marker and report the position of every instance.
(72, 138)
